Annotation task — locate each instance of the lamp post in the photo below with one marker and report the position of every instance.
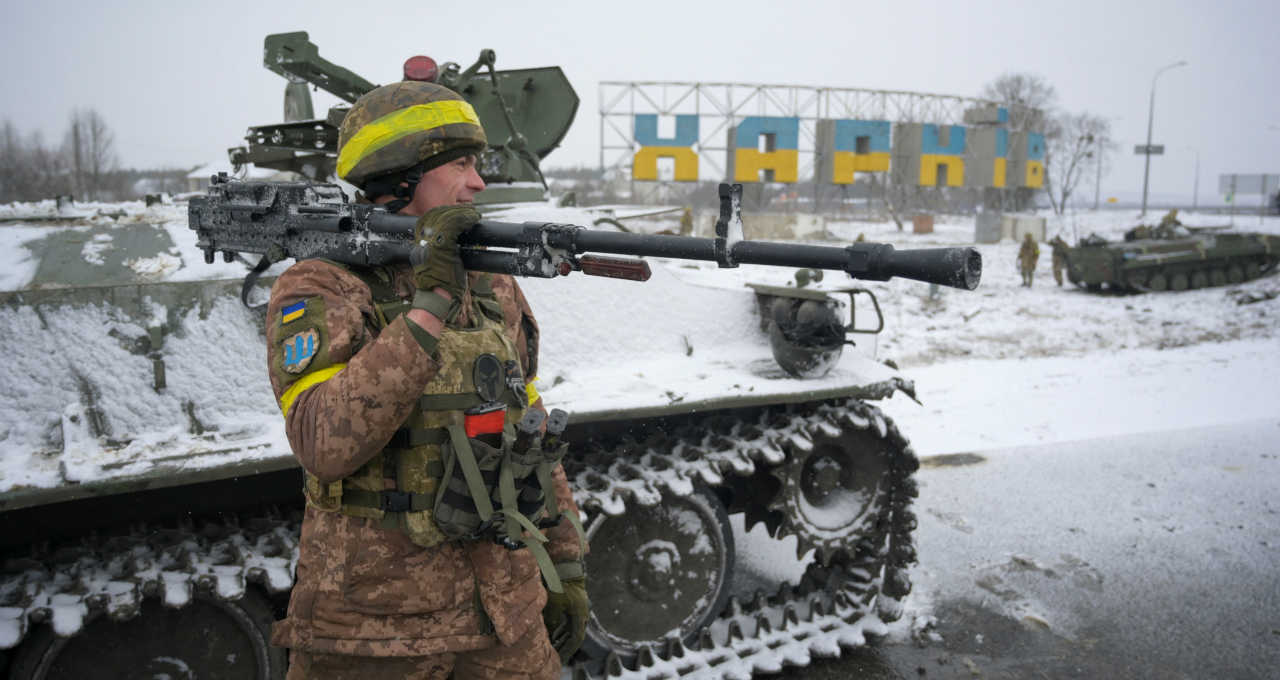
(1195, 196)
(1151, 114)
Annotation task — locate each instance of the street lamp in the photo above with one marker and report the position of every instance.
(1195, 196)
(1151, 113)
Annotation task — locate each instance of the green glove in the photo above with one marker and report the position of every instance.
(441, 265)
(566, 614)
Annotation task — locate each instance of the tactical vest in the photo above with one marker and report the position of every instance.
(439, 479)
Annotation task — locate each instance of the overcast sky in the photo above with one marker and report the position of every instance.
(179, 82)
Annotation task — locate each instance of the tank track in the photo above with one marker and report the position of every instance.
(68, 586)
(838, 603)
(842, 598)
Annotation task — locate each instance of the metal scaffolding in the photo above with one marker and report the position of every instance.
(726, 103)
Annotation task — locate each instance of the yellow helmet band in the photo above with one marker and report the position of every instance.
(399, 124)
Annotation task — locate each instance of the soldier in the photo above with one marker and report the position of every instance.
(686, 222)
(400, 380)
(1028, 253)
(1059, 258)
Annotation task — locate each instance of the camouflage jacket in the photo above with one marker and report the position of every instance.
(1060, 248)
(361, 589)
(1028, 253)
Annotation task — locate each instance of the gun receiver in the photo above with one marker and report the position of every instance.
(279, 220)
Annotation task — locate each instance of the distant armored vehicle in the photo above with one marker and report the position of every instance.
(1172, 256)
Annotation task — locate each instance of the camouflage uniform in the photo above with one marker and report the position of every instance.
(1059, 258)
(365, 591)
(1028, 253)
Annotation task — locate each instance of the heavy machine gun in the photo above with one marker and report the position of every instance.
(280, 220)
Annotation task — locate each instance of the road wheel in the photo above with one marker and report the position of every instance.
(833, 493)
(1235, 274)
(1199, 279)
(209, 639)
(1252, 269)
(1217, 277)
(1178, 281)
(657, 569)
(1136, 280)
(1158, 282)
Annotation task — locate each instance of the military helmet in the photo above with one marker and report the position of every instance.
(405, 126)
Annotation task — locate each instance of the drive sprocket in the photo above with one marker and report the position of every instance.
(843, 483)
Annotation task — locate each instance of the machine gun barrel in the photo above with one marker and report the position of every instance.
(302, 220)
(955, 267)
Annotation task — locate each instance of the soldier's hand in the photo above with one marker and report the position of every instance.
(566, 617)
(438, 264)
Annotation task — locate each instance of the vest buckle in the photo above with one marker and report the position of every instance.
(396, 501)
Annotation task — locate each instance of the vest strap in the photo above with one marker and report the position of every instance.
(387, 500)
(533, 540)
(436, 305)
(462, 402)
(471, 472)
(407, 438)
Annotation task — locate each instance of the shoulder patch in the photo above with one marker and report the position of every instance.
(300, 349)
(293, 312)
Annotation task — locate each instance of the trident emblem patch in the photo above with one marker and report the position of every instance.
(299, 350)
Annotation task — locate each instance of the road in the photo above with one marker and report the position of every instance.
(1138, 556)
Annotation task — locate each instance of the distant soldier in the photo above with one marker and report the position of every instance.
(1168, 225)
(1059, 258)
(686, 222)
(1027, 256)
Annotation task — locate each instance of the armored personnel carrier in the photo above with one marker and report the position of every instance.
(150, 503)
(1172, 256)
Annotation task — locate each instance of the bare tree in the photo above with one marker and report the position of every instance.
(1028, 97)
(11, 153)
(1030, 101)
(90, 149)
(1074, 143)
(45, 168)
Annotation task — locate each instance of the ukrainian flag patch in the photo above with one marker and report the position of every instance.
(293, 312)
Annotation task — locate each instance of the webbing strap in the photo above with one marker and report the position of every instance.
(547, 483)
(533, 540)
(507, 496)
(363, 498)
(461, 402)
(407, 438)
(471, 472)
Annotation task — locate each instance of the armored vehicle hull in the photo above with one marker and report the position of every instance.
(148, 484)
(1173, 259)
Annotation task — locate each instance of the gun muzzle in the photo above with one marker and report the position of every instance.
(557, 420)
(954, 267)
(528, 430)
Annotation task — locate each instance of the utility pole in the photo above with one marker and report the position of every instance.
(1151, 114)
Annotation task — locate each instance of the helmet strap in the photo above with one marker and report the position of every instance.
(401, 184)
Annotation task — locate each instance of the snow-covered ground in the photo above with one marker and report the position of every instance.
(995, 369)
(1005, 369)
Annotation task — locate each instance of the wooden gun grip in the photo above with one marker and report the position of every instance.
(615, 267)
